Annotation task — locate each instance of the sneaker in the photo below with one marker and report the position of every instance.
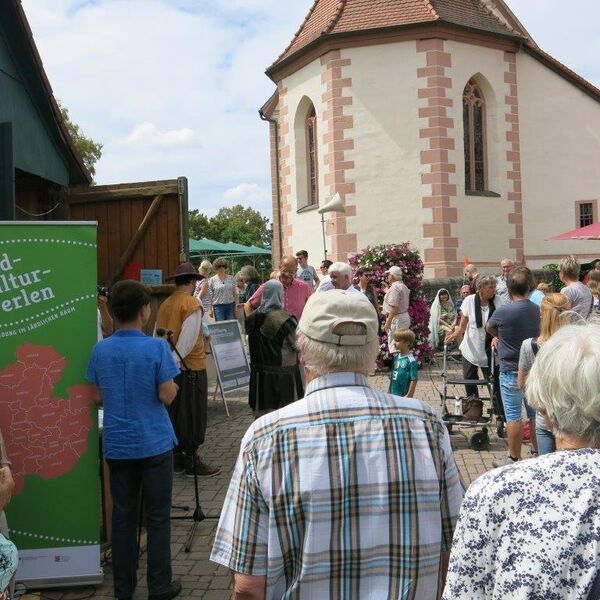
(202, 469)
(507, 460)
(173, 592)
(178, 463)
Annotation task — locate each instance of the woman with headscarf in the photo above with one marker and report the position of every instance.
(275, 378)
(442, 318)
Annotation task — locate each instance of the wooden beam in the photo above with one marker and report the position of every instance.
(93, 194)
(137, 238)
(7, 174)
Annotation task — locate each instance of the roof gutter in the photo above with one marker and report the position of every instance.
(275, 124)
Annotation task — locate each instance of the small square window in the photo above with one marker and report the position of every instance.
(586, 214)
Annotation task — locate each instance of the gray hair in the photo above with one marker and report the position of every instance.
(322, 358)
(470, 269)
(564, 382)
(569, 265)
(341, 268)
(249, 273)
(484, 280)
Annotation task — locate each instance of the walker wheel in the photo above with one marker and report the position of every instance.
(480, 441)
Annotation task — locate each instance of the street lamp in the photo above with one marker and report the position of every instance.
(334, 205)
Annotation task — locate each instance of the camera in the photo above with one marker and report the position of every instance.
(102, 291)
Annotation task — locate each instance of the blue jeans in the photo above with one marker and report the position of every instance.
(154, 476)
(224, 312)
(512, 398)
(545, 441)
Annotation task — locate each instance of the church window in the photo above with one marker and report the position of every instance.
(474, 121)
(586, 213)
(311, 158)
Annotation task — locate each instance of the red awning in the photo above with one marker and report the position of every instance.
(591, 232)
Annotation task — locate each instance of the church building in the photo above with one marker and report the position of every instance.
(439, 122)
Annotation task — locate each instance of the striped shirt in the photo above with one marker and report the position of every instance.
(347, 493)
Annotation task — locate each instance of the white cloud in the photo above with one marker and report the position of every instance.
(149, 134)
(249, 194)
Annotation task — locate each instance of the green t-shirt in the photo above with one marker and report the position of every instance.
(405, 370)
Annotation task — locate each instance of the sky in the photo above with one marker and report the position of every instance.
(173, 87)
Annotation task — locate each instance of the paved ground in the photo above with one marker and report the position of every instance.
(200, 577)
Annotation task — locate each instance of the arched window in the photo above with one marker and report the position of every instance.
(310, 127)
(474, 120)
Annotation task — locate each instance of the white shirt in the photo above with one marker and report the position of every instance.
(326, 285)
(473, 344)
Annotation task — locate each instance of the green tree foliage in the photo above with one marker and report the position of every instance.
(239, 224)
(89, 150)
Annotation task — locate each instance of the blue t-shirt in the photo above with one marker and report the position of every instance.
(515, 322)
(128, 368)
(405, 370)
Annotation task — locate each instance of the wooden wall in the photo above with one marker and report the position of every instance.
(120, 210)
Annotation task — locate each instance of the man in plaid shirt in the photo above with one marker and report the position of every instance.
(347, 493)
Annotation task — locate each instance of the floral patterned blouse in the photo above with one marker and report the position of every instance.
(529, 531)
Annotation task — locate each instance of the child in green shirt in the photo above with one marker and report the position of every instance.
(405, 371)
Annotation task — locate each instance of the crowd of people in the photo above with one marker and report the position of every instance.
(341, 490)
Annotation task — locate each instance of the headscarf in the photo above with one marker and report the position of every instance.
(435, 314)
(272, 297)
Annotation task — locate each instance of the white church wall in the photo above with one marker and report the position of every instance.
(386, 145)
(483, 229)
(306, 226)
(560, 158)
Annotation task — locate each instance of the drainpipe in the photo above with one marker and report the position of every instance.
(277, 184)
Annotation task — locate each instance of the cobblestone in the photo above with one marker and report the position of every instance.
(204, 580)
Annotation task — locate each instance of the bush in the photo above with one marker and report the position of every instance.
(378, 259)
(556, 284)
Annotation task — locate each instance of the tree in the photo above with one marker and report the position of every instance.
(89, 150)
(239, 224)
(199, 225)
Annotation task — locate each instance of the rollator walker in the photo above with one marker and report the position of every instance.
(454, 417)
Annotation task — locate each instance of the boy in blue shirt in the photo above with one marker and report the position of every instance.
(133, 375)
(405, 371)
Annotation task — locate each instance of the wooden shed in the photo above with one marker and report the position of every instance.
(140, 223)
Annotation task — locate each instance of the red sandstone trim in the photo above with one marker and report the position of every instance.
(437, 127)
(276, 245)
(337, 127)
(513, 155)
(285, 188)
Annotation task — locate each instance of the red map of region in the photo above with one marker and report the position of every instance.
(44, 436)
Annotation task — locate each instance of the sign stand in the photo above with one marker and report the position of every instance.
(218, 388)
(231, 361)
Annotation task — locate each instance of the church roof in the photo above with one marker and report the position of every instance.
(331, 17)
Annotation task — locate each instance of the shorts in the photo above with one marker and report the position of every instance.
(512, 398)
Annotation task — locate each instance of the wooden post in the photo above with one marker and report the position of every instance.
(182, 191)
(7, 173)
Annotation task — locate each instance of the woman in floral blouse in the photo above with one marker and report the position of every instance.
(532, 529)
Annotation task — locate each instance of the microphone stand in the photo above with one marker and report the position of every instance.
(198, 514)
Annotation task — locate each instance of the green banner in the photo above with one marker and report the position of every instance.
(48, 325)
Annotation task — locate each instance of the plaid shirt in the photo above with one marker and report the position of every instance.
(347, 493)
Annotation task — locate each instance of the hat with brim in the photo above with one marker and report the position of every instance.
(185, 269)
(325, 311)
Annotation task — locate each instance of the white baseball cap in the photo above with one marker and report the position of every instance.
(324, 312)
(395, 271)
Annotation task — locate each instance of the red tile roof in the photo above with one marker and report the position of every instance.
(327, 17)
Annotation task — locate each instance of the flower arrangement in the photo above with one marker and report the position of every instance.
(378, 259)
